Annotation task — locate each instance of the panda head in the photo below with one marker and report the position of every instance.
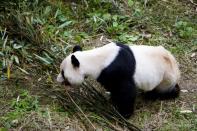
(70, 71)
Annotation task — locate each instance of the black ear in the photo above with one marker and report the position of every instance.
(77, 48)
(74, 61)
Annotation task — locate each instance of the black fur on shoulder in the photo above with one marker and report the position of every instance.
(169, 94)
(118, 79)
(125, 47)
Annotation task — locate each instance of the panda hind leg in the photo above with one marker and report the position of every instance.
(171, 93)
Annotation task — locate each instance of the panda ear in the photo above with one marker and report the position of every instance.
(74, 61)
(77, 48)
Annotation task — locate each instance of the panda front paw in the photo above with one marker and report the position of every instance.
(125, 110)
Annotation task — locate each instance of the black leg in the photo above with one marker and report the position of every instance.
(124, 99)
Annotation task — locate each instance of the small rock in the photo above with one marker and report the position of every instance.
(40, 79)
(193, 54)
(54, 97)
(146, 35)
(184, 91)
(193, 108)
(17, 99)
(67, 127)
(101, 39)
(15, 122)
(108, 93)
(186, 111)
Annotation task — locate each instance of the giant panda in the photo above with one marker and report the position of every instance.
(123, 69)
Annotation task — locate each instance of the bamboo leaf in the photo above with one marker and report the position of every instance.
(47, 10)
(24, 71)
(16, 59)
(65, 24)
(1, 53)
(57, 13)
(17, 46)
(43, 59)
(5, 41)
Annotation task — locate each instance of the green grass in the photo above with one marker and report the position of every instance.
(37, 35)
(19, 106)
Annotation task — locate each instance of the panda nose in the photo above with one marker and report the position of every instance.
(65, 82)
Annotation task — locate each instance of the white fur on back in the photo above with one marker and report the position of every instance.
(155, 67)
(92, 62)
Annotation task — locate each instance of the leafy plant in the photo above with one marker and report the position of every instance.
(21, 105)
(11, 52)
(116, 26)
(46, 59)
(25, 102)
(185, 30)
(126, 38)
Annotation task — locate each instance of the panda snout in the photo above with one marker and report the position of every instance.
(59, 78)
(66, 82)
(62, 80)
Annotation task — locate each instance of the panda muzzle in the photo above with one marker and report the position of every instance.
(65, 82)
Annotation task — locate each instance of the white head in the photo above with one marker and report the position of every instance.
(70, 71)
